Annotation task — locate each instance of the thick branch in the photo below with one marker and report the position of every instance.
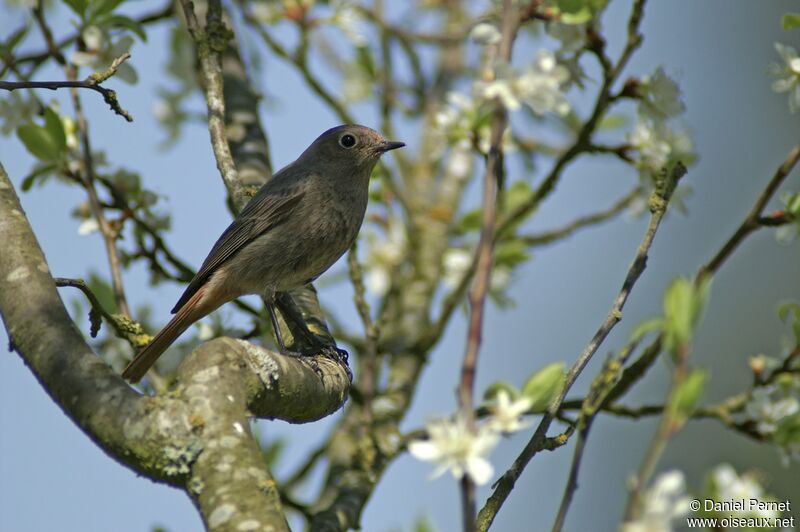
(196, 437)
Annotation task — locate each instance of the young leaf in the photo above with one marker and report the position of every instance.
(104, 7)
(38, 142)
(102, 289)
(684, 303)
(121, 21)
(688, 395)
(544, 385)
(647, 326)
(790, 21)
(78, 6)
(499, 386)
(40, 170)
(55, 129)
(12, 42)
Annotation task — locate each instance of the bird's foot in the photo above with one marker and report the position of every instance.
(338, 355)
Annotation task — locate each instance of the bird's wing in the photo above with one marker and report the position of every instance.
(268, 208)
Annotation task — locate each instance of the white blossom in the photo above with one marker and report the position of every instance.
(787, 74)
(93, 37)
(348, 19)
(454, 447)
(456, 262)
(455, 117)
(769, 412)
(383, 255)
(662, 503)
(502, 90)
(732, 487)
(500, 278)
(660, 96)
(506, 414)
(88, 226)
(571, 36)
(540, 86)
(205, 331)
(267, 12)
(658, 144)
(161, 110)
(485, 34)
(459, 164)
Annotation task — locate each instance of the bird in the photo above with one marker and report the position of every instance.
(295, 227)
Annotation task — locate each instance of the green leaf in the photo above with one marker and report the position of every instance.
(40, 170)
(423, 524)
(511, 253)
(38, 142)
(121, 21)
(273, 450)
(647, 326)
(517, 194)
(16, 38)
(688, 395)
(104, 7)
(103, 291)
(790, 313)
(684, 303)
(55, 129)
(78, 6)
(790, 21)
(787, 432)
(498, 386)
(792, 202)
(613, 121)
(471, 221)
(365, 61)
(544, 385)
(578, 11)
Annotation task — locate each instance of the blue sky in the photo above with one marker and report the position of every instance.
(717, 50)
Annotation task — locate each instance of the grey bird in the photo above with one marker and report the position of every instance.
(296, 226)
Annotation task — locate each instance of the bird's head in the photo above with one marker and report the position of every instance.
(349, 147)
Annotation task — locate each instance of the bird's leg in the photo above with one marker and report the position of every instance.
(325, 345)
(269, 299)
(291, 311)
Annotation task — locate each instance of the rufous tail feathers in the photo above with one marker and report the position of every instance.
(188, 314)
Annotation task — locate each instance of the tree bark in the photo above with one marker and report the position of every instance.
(196, 437)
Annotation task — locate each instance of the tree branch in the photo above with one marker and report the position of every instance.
(658, 206)
(209, 43)
(197, 437)
(492, 179)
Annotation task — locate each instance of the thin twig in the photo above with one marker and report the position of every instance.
(38, 58)
(658, 205)
(583, 140)
(367, 377)
(87, 176)
(754, 218)
(547, 237)
(492, 178)
(589, 408)
(109, 96)
(209, 43)
(299, 58)
(125, 328)
(670, 421)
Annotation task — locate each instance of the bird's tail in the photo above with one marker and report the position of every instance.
(188, 314)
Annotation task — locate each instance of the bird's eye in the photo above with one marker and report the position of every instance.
(347, 141)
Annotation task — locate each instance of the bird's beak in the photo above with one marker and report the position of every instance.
(391, 145)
